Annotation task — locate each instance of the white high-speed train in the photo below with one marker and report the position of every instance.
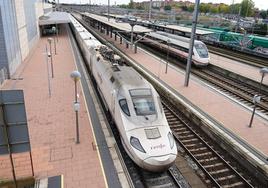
(179, 46)
(134, 105)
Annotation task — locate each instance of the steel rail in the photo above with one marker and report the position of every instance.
(211, 178)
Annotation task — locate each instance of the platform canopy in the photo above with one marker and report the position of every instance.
(54, 18)
(121, 26)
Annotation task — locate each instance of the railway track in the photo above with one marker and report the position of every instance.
(218, 169)
(236, 89)
(238, 56)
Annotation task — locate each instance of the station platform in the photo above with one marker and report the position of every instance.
(233, 117)
(239, 68)
(51, 122)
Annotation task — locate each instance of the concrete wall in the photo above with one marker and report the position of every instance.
(19, 30)
(22, 29)
(11, 38)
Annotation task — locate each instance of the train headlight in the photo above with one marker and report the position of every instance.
(171, 140)
(136, 144)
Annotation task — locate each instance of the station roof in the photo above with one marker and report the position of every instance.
(186, 29)
(122, 26)
(54, 18)
(114, 15)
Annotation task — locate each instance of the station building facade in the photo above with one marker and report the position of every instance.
(19, 32)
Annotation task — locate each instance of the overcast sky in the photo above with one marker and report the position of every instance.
(261, 4)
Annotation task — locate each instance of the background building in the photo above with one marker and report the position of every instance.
(19, 32)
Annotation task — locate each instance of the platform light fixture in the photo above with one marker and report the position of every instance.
(54, 30)
(75, 75)
(257, 97)
(50, 56)
(132, 23)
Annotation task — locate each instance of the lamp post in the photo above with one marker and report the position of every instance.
(75, 75)
(168, 42)
(50, 55)
(108, 10)
(189, 59)
(54, 33)
(132, 23)
(150, 10)
(48, 76)
(257, 98)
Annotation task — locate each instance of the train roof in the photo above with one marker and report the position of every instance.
(187, 29)
(174, 39)
(121, 26)
(92, 42)
(129, 78)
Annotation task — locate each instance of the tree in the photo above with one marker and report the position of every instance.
(234, 9)
(190, 8)
(167, 7)
(263, 14)
(213, 9)
(184, 8)
(204, 7)
(131, 4)
(247, 8)
(223, 8)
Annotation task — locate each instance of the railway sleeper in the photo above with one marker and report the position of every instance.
(174, 123)
(187, 136)
(213, 167)
(159, 182)
(189, 146)
(203, 154)
(178, 129)
(168, 114)
(186, 132)
(236, 184)
(231, 178)
(171, 118)
(197, 150)
(220, 172)
(189, 140)
(208, 160)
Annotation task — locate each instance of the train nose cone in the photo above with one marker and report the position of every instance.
(159, 163)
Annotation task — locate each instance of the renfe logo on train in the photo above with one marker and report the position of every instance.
(160, 146)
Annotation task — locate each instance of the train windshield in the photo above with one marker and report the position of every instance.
(143, 102)
(201, 50)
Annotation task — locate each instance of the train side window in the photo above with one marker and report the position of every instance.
(124, 106)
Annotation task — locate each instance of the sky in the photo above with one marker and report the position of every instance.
(261, 4)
